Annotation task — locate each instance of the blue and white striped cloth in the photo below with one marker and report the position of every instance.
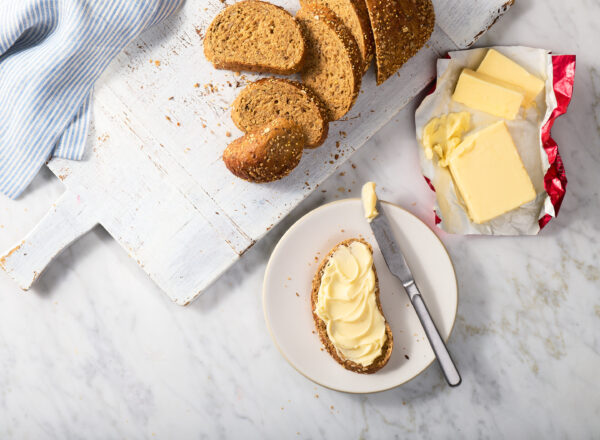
(51, 53)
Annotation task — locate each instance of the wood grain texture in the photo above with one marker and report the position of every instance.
(153, 174)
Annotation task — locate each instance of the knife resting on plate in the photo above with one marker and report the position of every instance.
(394, 258)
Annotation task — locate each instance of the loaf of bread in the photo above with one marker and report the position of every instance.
(400, 29)
(333, 68)
(387, 347)
(355, 16)
(266, 99)
(256, 36)
(267, 152)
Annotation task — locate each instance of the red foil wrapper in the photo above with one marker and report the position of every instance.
(555, 179)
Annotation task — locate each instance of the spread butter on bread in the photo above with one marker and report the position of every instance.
(266, 153)
(347, 311)
(256, 36)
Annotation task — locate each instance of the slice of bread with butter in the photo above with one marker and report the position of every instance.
(347, 311)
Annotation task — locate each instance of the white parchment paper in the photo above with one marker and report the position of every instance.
(525, 131)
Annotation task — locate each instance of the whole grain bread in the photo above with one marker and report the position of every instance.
(256, 36)
(355, 16)
(266, 153)
(386, 350)
(400, 29)
(269, 98)
(333, 68)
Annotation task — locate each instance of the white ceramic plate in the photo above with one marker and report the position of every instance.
(287, 287)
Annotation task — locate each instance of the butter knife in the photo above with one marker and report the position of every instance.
(396, 262)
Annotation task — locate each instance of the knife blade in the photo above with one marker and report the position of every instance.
(394, 258)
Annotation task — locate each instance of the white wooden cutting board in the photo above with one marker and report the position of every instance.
(153, 175)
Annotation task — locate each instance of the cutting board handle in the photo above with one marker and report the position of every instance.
(68, 219)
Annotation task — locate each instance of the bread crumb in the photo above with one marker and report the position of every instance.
(196, 85)
(228, 133)
(168, 118)
(316, 396)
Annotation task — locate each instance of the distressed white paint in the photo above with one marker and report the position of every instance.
(153, 175)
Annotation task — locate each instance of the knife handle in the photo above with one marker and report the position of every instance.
(437, 343)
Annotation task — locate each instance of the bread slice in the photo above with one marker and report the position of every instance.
(257, 36)
(269, 98)
(400, 29)
(386, 350)
(266, 153)
(333, 67)
(355, 16)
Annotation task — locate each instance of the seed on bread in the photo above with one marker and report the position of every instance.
(386, 349)
(266, 99)
(355, 16)
(266, 153)
(333, 68)
(400, 29)
(256, 36)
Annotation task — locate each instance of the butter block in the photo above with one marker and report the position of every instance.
(489, 173)
(503, 68)
(488, 94)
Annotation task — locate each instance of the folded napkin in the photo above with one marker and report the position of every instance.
(51, 52)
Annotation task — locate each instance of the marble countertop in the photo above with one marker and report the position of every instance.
(96, 350)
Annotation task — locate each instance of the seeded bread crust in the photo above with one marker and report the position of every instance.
(244, 49)
(400, 29)
(355, 15)
(317, 76)
(246, 115)
(386, 350)
(266, 153)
